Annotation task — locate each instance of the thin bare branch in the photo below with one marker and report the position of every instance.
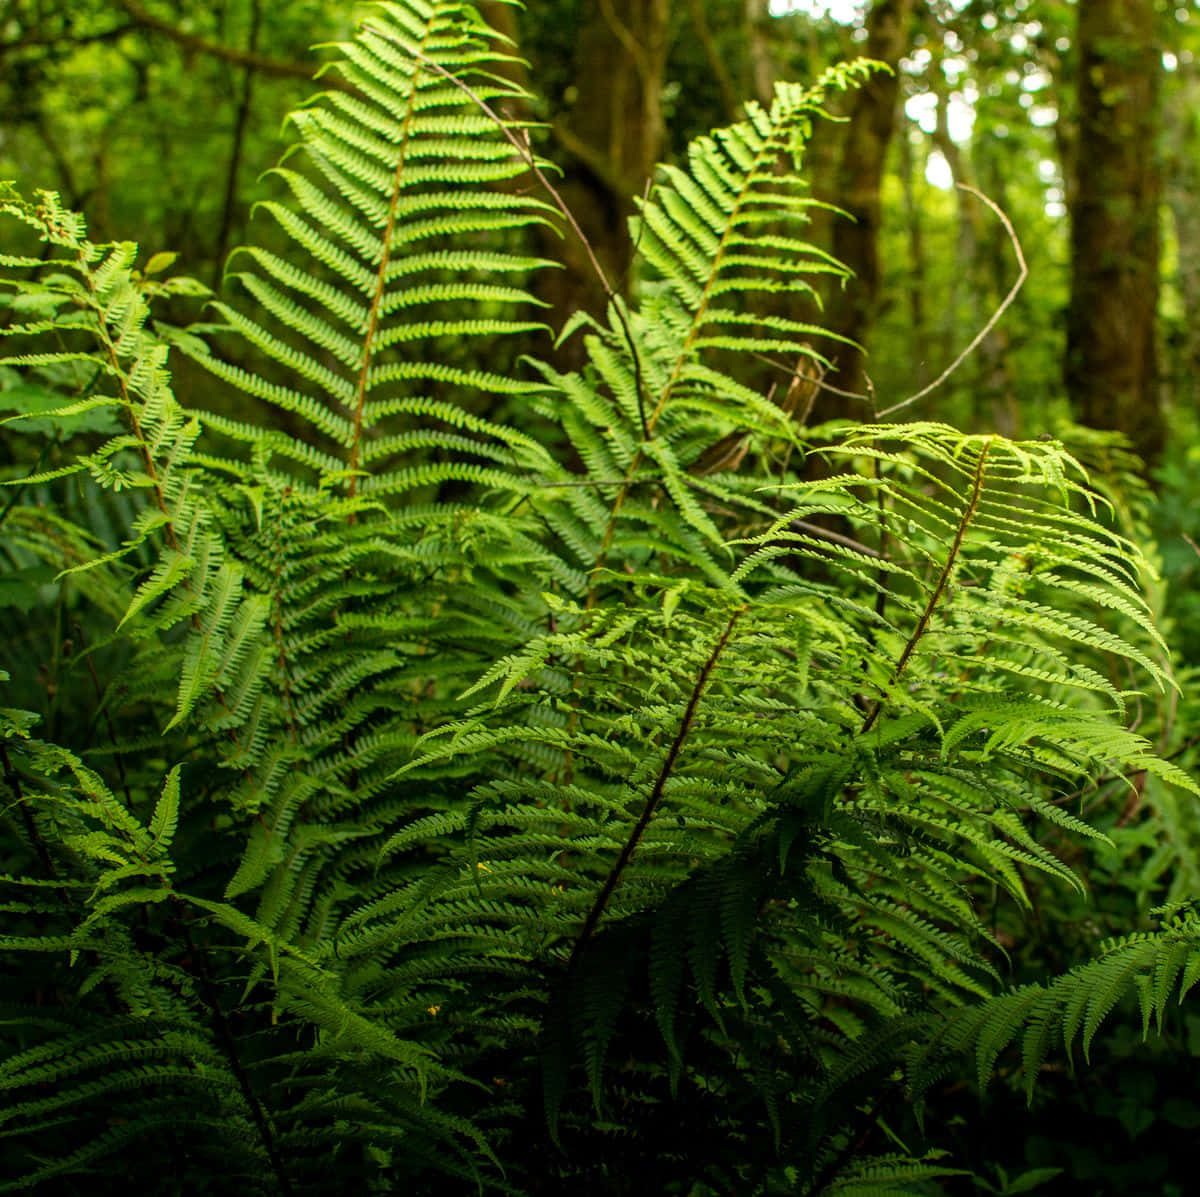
(1005, 304)
(818, 381)
(67, 41)
(837, 538)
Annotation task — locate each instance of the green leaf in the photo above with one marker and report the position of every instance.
(166, 812)
(159, 262)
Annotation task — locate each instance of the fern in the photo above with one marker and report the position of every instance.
(422, 780)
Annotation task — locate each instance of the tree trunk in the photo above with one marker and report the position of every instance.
(1182, 187)
(1111, 367)
(613, 137)
(851, 310)
(763, 72)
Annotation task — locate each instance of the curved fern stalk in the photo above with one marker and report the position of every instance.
(402, 175)
(724, 228)
(987, 550)
(970, 508)
(769, 848)
(613, 879)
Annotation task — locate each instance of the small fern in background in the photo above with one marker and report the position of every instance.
(419, 801)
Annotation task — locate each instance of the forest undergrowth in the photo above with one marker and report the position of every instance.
(430, 768)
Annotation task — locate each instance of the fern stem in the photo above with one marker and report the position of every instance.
(649, 423)
(943, 579)
(212, 999)
(772, 146)
(385, 259)
(668, 765)
(31, 828)
(114, 363)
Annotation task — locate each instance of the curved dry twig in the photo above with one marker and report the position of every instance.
(1005, 304)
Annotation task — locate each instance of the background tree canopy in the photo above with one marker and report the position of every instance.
(999, 138)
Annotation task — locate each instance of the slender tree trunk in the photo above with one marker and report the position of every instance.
(731, 97)
(918, 272)
(612, 137)
(959, 314)
(851, 310)
(241, 122)
(762, 65)
(996, 404)
(1112, 367)
(982, 259)
(1182, 188)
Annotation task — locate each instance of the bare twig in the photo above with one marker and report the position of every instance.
(837, 538)
(1005, 304)
(818, 380)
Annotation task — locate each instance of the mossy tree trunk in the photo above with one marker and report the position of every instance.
(1112, 362)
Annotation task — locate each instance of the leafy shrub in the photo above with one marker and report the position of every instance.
(415, 800)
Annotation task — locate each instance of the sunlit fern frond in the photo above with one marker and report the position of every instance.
(396, 177)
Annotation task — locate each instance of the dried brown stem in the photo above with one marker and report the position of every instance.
(668, 765)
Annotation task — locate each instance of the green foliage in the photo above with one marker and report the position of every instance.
(408, 806)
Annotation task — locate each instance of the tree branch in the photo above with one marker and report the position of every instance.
(70, 40)
(276, 67)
